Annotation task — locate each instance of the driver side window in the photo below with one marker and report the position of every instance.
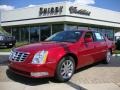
(88, 37)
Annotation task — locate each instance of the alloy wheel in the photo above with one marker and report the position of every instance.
(67, 69)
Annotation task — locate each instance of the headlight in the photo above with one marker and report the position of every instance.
(40, 57)
(1, 37)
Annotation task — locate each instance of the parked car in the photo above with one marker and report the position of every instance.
(61, 54)
(7, 40)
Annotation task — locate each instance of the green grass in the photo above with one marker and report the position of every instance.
(116, 52)
(5, 49)
(18, 44)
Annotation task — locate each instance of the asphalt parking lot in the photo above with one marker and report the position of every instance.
(94, 77)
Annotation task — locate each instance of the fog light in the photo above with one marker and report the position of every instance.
(38, 74)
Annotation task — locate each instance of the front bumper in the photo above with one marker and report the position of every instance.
(4, 43)
(33, 71)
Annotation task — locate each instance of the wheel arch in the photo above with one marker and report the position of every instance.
(65, 55)
(73, 56)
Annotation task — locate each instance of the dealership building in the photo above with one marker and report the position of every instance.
(33, 24)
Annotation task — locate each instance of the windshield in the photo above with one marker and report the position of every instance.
(65, 36)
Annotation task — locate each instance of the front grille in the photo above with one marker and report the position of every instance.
(18, 56)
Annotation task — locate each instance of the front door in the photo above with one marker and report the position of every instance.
(86, 50)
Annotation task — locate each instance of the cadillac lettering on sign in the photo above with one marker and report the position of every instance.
(50, 11)
(75, 10)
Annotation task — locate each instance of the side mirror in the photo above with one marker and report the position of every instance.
(88, 39)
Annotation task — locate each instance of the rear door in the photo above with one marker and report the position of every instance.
(100, 46)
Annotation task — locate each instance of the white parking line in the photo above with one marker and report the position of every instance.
(116, 55)
(4, 53)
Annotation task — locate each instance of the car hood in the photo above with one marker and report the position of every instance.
(32, 48)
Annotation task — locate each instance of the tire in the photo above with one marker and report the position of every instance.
(108, 57)
(65, 69)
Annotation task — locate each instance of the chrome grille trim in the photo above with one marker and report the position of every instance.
(17, 56)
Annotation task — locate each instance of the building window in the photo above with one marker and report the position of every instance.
(34, 34)
(16, 33)
(108, 33)
(82, 28)
(94, 29)
(45, 32)
(25, 34)
(70, 27)
(57, 28)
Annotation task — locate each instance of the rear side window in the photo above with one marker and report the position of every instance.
(99, 37)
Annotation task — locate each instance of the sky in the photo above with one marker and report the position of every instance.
(12, 4)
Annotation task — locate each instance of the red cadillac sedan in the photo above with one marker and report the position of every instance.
(61, 54)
